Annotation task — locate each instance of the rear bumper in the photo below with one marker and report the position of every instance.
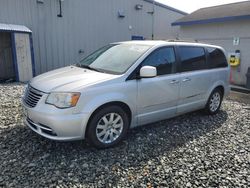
(56, 127)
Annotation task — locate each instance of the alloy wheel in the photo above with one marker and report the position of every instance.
(109, 128)
(215, 102)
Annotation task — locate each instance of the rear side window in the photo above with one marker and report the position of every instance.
(192, 58)
(162, 59)
(216, 58)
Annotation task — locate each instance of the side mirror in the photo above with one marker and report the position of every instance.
(148, 72)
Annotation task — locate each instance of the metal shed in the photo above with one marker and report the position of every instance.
(16, 53)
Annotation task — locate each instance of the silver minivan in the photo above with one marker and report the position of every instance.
(124, 85)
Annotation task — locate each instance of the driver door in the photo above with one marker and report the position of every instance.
(157, 97)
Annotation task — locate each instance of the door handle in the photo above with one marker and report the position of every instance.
(174, 82)
(186, 80)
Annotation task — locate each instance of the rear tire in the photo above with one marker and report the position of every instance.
(214, 102)
(107, 127)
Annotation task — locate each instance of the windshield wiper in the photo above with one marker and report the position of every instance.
(87, 67)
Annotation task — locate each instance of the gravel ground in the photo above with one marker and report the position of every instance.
(192, 150)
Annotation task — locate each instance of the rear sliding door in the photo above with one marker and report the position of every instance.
(194, 78)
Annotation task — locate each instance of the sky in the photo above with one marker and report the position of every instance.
(192, 5)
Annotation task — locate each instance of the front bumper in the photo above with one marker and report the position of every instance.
(54, 126)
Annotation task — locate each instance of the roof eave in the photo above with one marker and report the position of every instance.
(212, 20)
(166, 7)
(14, 28)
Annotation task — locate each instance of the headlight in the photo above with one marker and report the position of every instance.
(63, 100)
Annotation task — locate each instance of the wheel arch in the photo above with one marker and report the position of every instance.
(123, 105)
(217, 85)
(221, 88)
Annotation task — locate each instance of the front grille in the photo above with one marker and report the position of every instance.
(32, 96)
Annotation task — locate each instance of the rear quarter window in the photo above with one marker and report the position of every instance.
(192, 58)
(216, 58)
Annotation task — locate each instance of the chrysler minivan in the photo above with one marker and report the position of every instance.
(124, 85)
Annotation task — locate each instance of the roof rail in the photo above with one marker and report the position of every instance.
(182, 40)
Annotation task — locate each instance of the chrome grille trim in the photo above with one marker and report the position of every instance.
(32, 96)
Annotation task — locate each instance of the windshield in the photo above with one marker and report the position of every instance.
(114, 58)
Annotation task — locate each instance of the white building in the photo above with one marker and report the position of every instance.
(225, 25)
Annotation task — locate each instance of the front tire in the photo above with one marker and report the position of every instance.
(107, 127)
(214, 102)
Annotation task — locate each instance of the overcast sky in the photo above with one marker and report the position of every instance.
(192, 5)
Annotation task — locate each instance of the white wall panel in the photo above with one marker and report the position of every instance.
(86, 25)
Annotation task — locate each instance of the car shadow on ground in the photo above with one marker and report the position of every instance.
(78, 159)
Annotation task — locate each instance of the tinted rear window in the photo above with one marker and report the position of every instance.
(192, 58)
(216, 58)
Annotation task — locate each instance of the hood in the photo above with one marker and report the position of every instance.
(68, 79)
